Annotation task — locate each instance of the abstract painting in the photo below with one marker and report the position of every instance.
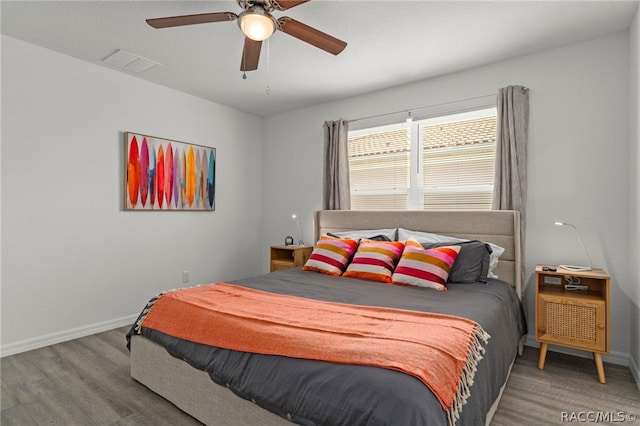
(162, 174)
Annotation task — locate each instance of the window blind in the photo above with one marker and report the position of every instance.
(454, 164)
(379, 170)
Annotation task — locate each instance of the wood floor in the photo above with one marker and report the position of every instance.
(86, 382)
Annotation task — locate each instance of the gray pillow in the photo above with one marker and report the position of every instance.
(428, 238)
(471, 265)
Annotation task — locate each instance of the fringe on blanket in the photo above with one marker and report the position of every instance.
(145, 312)
(150, 303)
(476, 352)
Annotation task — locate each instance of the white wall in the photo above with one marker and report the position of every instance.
(578, 169)
(634, 194)
(73, 262)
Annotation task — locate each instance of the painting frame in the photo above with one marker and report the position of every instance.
(168, 175)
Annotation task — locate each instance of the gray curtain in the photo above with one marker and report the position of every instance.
(510, 182)
(336, 193)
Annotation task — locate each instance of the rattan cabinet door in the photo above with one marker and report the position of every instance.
(572, 321)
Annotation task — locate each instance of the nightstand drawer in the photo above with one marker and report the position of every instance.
(278, 265)
(285, 257)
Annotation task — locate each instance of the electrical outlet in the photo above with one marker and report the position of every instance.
(185, 277)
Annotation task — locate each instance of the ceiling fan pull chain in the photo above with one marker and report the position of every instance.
(268, 91)
(244, 66)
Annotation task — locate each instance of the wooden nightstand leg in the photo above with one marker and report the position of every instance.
(598, 359)
(543, 355)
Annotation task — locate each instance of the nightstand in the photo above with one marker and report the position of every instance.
(577, 318)
(285, 257)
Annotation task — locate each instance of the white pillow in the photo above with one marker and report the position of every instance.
(389, 233)
(427, 237)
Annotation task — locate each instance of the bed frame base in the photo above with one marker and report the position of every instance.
(192, 390)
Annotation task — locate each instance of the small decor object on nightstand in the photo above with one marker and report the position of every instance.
(572, 310)
(288, 240)
(289, 256)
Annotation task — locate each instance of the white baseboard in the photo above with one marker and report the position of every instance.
(618, 358)
(635, 371)
(63, 336)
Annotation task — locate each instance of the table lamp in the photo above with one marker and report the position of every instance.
(575, 267)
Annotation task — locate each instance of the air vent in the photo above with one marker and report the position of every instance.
(129, 61)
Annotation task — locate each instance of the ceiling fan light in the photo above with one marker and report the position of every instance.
(257, 24)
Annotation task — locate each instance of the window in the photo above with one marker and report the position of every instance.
(445, 162)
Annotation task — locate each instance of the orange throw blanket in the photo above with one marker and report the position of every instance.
(440, 350)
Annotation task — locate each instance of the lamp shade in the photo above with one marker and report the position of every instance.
(257, 24)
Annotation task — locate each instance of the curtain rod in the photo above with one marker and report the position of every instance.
(412, 110)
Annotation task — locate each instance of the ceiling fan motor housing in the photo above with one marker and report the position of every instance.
(266, 5)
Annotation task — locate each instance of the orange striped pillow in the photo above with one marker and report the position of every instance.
(374, 260)
(425, 267)
(330, 255)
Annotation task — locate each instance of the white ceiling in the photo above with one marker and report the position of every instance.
(389, 42)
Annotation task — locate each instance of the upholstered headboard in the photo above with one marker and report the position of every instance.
(500, 227)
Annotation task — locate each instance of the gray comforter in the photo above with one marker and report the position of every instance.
(320, 393)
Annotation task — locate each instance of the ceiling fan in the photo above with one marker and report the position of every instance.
(257, 24)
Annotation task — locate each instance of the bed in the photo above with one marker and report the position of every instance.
(225, 387)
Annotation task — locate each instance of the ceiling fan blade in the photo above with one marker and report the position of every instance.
(286, 4)
(310, 35)
(250, 55)
(201, 18)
